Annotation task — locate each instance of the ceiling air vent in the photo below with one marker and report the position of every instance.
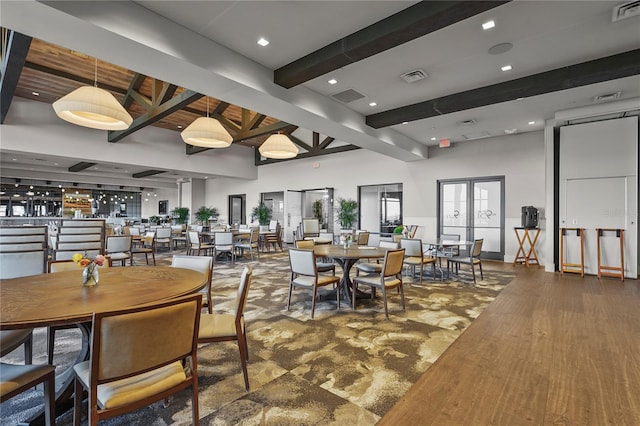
(626, 10)
(607, 97)
(466, 122)
(348, 95)
(478, 135)
(413, 76)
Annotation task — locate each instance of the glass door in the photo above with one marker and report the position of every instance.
(474, 209)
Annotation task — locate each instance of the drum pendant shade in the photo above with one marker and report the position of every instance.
(278, 146)
(207, 132)
(92, 107)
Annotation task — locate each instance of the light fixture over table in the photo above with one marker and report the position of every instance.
(92, 107)
(278, 146)
(206, 132)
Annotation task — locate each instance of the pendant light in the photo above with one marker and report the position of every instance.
(92, 107)
(278, 146)
(207, 132)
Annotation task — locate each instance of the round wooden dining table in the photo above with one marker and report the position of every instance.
(60, 298)
(346, 258)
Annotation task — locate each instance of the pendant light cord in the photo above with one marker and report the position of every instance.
(207, 107)
(95, 78)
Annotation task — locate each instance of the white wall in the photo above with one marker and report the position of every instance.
(520, 158)
(150, 202)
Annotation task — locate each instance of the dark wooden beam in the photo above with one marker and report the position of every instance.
(78, 167)
(163, 110)
(613, 67)
(147, 173)
(413, 22)
(259, 161)
(134, 86)
(12, 64)
(326, 142)
(73, 77)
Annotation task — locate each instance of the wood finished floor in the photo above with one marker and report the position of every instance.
(550, 350)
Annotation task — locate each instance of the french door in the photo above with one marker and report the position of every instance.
(474, 209)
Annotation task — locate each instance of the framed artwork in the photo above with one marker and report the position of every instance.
(163, 207)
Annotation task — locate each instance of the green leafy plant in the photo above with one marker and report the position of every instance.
(398, 229)
(263, 213)
(203, 214)
(317, 210)
(180, 215)
(347, 212)
(154, 219)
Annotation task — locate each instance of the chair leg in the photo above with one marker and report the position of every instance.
(338, 294)
(51, 338)
(28, 350)
(50, 399)
(402, 296)
(290, 291)
(473, 272)
(243, 362)
(313, 301)
(384, 298)
(77, 402)
(481, 274)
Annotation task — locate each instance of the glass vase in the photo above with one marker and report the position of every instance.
(90, 276)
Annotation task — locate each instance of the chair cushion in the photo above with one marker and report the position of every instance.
(371, 268)
(17, 376)
(308, 282)
(118, 256)
(218, 325)
(374, 281)
(417, 261)
(126, 391)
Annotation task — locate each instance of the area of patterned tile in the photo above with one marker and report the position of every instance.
(342, 367)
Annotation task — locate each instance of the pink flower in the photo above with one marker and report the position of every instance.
(99, 260)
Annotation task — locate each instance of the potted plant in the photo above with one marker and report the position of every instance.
(203, 214)
(347, 211)
(180, 215)
(317, 210)
(154, 220)
(262, 213)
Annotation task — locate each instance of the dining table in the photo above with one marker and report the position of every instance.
(61, 299)
(346, 258)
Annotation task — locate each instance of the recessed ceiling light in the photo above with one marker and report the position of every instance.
(506, 68)
(179, 127)
(14, 159)
(405, 122)
(510, 131)
(372, 104)
(263, 42)
(532, 122)
(433, 139)
(332, 81)
(35, 93)
(488, 25)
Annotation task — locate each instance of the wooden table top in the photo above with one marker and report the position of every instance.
(60, 298)
(353, 252)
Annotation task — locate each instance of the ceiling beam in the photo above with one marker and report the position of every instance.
(73, 77)
(613, 67)
(413, 22)
(78, 167)
(147, 173)
(12, 63)
(259, 161)
(185, 98)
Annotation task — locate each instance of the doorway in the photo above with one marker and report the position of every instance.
(237, 209)
(474, 208)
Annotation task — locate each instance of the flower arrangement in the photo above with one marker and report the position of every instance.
(345, 239)
(89, 271)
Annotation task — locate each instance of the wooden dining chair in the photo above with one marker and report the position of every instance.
(375, 268)
(203, 264)
(147, 246)
(228, 327)
(15, 379)
(472, 260)
(118, 248)
(137, 358)
(304, 274)
(414, 256)
(389, 278)
(322, 266)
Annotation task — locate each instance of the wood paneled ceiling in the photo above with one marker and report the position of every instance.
(51, 71)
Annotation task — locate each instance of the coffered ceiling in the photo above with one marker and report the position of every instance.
(562, 54)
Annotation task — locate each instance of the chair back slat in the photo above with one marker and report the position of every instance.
(22, 263)
(302, 262)
(393, 260)
(138, 340)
